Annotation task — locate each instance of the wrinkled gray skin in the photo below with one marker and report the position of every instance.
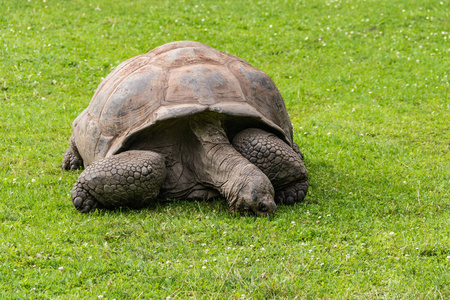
(204, 154)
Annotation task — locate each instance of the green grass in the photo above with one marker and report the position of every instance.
(367, 86)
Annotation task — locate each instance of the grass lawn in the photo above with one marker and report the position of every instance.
(366, 84)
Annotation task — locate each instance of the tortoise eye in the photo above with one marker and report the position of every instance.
(254, 197)
(262, 207)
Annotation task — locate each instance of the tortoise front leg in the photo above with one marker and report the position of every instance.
(131, 178)
(282, 164)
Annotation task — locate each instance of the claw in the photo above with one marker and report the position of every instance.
(292, 194)
(83, 201)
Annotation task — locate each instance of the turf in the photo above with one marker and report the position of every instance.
(366, 85)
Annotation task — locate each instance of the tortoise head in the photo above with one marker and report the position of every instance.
(255, 197)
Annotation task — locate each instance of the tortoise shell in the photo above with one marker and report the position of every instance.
(176, 80)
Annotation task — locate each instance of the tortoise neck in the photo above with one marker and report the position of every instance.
(217, 163)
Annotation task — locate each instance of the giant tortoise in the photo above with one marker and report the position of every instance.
(186, 121)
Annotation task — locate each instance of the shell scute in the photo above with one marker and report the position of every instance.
(262, 93)
(190, 55)
(202, 84)
(133, 101)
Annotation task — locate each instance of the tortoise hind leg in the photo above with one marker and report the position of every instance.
(72, 159)
(282, 164)
(131, 178)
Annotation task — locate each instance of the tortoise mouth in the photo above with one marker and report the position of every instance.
(263, 209)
